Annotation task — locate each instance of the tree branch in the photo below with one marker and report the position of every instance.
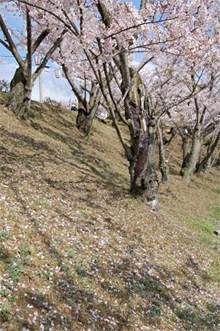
(12, 46)
(40, 39)
(5, 45)
(69, 27)
(114, 103)
(75, 89)
(48, 55)
(29, 45)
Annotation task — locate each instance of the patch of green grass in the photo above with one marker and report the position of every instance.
(74, 250)
(4, 293)
(4, 312)
(148, 284)
(216, 190)
(42, 203)
(203, 226)
(207, 227)
(4, 97)
(24, 252)
(213, 307)
(213, 271)
(64, 267)
(13, 298)
(4, 235)
(216, 213)
(187, 314)
(207, 240)
(81, 269)
(15, 268)
(45, 273)
(155, 309)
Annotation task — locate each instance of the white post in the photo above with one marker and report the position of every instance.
(40, 87)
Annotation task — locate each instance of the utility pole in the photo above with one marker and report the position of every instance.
(38, 60)
(40, 87)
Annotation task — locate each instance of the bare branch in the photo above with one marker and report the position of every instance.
(75, 89)
(39, 40)
(48, 55)
(69, 27)
(29, 41)
(12, 46)
(5, 45)
(135, 26)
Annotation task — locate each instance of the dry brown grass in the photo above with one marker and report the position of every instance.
(77, 252)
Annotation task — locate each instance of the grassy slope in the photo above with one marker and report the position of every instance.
(78, 253)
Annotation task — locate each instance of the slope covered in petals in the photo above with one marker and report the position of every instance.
(77, 252)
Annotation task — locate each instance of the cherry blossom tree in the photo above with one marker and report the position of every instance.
(110, 34)
(198, 117)
(204, 116)
(38, 36)
(183, 41)
(78, 73)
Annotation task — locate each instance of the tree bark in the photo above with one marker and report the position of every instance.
(163, 166)
(186, 147)
(84, 120)
(205, 164)
(142, 127)
(216, 163)
(20, 94)
(172, 134)
(194, 154)
(144, 181)
(92, 107)
(22, 82)
(141, 152)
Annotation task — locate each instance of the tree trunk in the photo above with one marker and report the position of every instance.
(205, 164)
(84, 121)
(144, 181)
(163, 166)
(194, 155)
(20, 94)
(186, 147)
(216, 163)
(172, 134)
(86, 109)
(141, 152)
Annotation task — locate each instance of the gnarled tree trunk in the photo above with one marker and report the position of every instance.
(205, 164)
(20, 94)
(186, 148)
(172, 134)
(142, 168)
(194, 154)
(86, 109)
(84, 120)
(87, 123)
(22, 82)
(142, 125)
(163, 166)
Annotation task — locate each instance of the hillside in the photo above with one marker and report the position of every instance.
(77, 252)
